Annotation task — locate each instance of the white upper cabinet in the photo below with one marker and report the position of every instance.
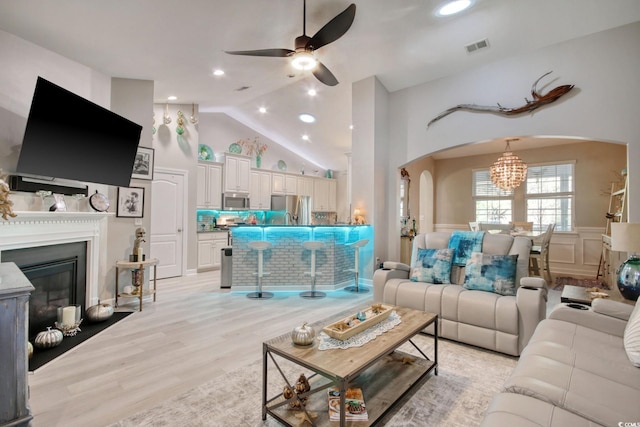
(237, 174)
(260, 195)
(209, 185)
(283, 183)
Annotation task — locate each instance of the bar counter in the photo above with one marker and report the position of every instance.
(287, 260)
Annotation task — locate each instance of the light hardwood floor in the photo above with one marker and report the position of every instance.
(193, 333)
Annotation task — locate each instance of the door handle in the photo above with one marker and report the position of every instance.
(179, 230)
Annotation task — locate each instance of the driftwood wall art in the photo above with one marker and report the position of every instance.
(538, 101)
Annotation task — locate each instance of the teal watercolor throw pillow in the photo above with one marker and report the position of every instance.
(433, 266)
(491, 273)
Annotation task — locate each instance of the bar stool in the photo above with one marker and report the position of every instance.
(357, 245)
(313, 246)
(260, 246)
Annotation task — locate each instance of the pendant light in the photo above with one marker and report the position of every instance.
(509, 171)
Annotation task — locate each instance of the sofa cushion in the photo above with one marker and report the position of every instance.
(491, 273)
(564, 363)
(632, 337)
(432, 266)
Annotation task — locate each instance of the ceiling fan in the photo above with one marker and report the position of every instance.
(302, 56)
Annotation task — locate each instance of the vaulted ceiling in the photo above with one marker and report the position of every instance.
(178, 44)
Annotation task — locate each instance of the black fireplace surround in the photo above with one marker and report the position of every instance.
(58, 273)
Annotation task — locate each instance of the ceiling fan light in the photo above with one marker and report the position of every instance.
(304, 61)
(453, 7)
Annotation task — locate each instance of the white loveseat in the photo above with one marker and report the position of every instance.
(485, 319)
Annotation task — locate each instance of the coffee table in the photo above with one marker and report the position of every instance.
(383, 380)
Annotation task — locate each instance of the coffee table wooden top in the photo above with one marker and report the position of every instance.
(348, 363)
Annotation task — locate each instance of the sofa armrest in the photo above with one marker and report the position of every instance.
(615, 309)
(394, 265)
(585, 316)
(381, 276)
(532, 308)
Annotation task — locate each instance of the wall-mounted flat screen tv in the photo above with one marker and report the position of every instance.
(70, 137)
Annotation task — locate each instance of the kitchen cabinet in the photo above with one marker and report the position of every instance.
(282, 183)
(209, 249)
(304, 186)
(209, 185)
(324, 195)
(260, 194)
(237, 173)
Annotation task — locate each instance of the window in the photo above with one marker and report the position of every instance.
(549, 196)
(492, 204)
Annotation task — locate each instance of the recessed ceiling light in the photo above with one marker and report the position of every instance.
(350, 127)
(262, 110)
(307, 118)
(172, 98)
(218, 72)
(305, 137)
(312, 92)
(453, 7)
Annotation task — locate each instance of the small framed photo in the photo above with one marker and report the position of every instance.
(143, 164)
(130, 202)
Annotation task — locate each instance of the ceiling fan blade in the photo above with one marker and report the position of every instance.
(323, 74)
(333, 29)
(280, 53)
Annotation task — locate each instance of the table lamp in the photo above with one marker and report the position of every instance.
(625, 237)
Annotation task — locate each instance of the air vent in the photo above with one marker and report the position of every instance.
(474, 47)
(241, 88)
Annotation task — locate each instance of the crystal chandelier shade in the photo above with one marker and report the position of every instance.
(509, 171)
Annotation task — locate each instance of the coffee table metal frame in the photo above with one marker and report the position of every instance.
(342, 368)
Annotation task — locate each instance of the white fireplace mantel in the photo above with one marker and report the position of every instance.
(32, 228)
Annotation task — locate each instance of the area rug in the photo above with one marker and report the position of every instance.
(583, 282)
(467, 380)
(87, 330)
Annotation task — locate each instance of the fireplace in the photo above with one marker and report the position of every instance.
(58, 274)
(41, 230)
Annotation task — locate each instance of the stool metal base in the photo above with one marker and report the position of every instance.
(356, 289)
(260, 295)
(312, 294)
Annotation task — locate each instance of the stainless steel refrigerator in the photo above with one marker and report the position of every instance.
(295, 209)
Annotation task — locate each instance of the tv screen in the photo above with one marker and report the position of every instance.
(70, 137)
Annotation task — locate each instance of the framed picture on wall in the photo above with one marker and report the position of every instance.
(130, 202)
(143, 164)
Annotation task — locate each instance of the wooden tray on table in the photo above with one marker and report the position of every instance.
(350, 326)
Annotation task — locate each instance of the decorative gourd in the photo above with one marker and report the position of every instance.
(29, 349)
(99, 312)
(303, 335)
(49, 338)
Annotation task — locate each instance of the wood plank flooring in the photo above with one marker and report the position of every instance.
(193, 333)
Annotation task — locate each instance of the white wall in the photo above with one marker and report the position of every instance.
(603, 106)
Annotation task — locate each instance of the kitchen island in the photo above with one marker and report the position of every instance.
(287, 260)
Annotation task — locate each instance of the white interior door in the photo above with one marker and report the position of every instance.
(167, 221)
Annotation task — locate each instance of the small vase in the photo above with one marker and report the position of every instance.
(258, 161)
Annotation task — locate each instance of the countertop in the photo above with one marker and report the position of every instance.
(215, 230)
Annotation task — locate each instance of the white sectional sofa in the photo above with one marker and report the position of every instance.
(497, 322)
(580, 368)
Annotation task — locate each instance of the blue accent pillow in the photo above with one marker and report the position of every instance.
(464, 243)
(491, 273)
(433, 266)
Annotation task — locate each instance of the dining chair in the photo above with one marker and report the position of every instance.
(539, 255)
(522, 225)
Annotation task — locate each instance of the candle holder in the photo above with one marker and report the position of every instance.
(69, 320)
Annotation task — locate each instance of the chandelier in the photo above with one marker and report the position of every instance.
(508, 172)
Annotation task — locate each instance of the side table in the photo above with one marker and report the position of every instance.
(139, 266)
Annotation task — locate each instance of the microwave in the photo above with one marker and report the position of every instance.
(235, 202)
